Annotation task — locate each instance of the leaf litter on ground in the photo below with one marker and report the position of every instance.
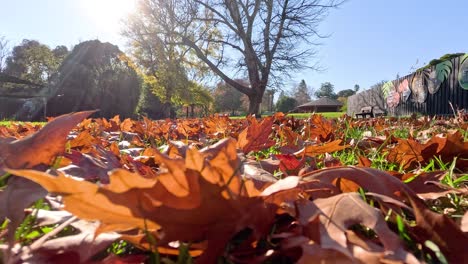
(206, 183)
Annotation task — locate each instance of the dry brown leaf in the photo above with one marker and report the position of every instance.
(441, 230)
(318, 128)
(18, 195)
(409, 152)
(336, 217)
(79, 248)
(464, 223)
(217, 206)
(41, 147)
(315, 150)
(91, 202)
(256, 136)
(369, 179)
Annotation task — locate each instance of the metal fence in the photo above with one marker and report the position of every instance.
(431, 91)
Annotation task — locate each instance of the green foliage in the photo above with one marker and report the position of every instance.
(445, 57)
(227, 99)
(168, 69)
(356, 88)
(326, 90)
(387, 88)
(149, 104)
(443, 70)
(34, 61)
(200, 97)
(344, 101)
(285, 104)
(201, 31)
(346, 93)
(96, 76)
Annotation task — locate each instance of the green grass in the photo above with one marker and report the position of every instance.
(8, 123)
(302, 115)
(326, 114)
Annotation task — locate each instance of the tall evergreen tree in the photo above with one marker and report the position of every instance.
(326, 90)
(301, 93)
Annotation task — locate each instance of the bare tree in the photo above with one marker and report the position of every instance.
(4, 52)
(263, 40)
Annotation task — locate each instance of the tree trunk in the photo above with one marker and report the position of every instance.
(167, 110)
(255, 101)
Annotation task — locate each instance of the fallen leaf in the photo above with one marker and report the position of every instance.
(256, 136)
(464, 223)
(335, 217)
(79, 248)
(217, 206)
(369, 179)
(315, 150)
(41, 147)
(441, 230)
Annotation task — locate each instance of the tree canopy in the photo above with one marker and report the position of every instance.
(227, 99)
(326, 90)
(285, 104)
(302, 93)
(265, 39)
(96, 76)
(346, 93)
(34, 62)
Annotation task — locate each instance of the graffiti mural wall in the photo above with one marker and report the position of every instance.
(432, 90)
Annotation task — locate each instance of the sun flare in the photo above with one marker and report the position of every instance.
(108, 14)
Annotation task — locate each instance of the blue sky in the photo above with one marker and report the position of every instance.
(370, 40)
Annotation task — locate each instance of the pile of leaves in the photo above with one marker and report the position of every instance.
(216, 190)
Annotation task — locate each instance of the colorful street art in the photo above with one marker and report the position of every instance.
(435, 89)
(404, 90)
(393, 99)
(437, 75)
(417, 88)
(387, 88)
(463, 72)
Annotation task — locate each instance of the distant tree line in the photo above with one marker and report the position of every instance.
(93, 75)
(149, 81)
(173, 47)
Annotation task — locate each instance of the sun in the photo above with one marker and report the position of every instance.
(107, 14)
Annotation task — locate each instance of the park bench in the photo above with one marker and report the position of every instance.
(366, 111)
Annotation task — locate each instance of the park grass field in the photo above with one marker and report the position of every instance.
(302, 115)
(326, 114)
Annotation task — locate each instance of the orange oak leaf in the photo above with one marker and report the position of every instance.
(219, 202)
(39, 148)
(334, 218)
(350, 178)
(409, 152)
(315, 150)
(256, 136)
(441, 230)
(319, 128)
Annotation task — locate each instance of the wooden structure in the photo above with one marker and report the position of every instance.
(366, 111)
(323, 104)
(22, 100)
(439, 89)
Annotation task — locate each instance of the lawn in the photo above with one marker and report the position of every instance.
(326, 114)
(303, 115)
(219, 190)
